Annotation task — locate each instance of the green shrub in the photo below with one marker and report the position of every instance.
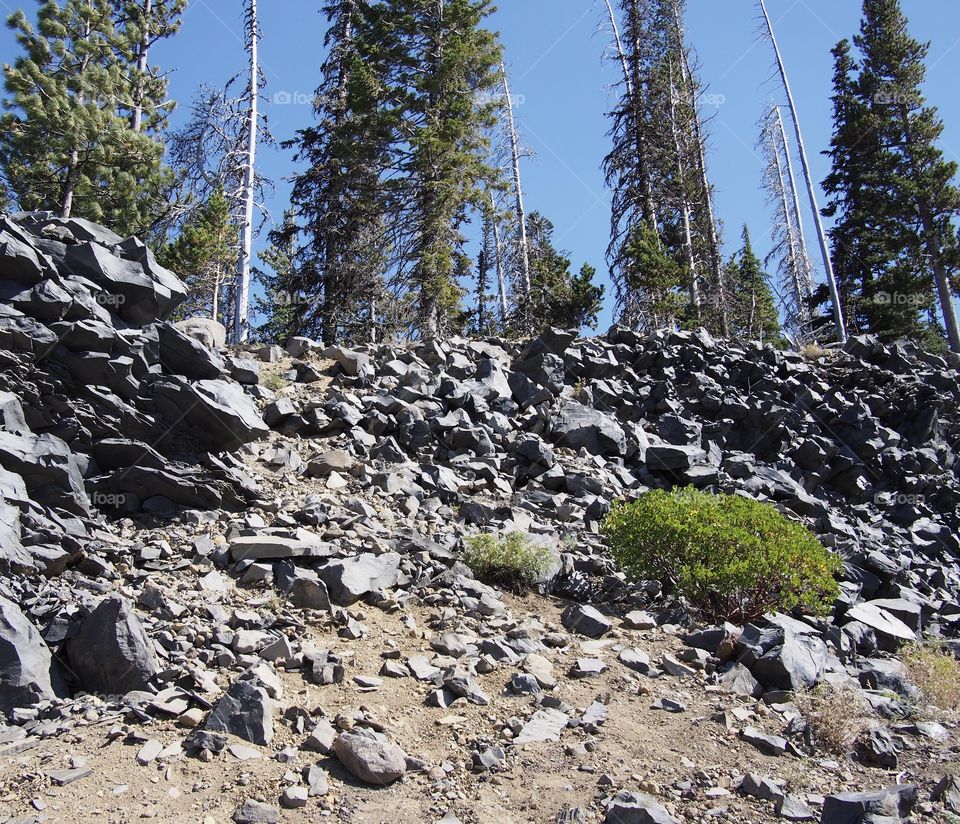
(731, 557)
(274, 382)
(510, 561)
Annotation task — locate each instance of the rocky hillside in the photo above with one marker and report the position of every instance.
(233, 587)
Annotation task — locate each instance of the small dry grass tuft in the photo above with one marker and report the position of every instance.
(812, 351)
(936, 671)
(836, 716)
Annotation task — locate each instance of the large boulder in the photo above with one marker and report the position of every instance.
(138, 293)
(112, 653)
(180, 354)
(582, 427)
(48, 468)
(206, 331)
(796, 664)
(27, 675)
(350, 579)
(222, 416)
(370, 757)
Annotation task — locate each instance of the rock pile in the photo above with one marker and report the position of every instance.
(104, 406)
(173, 533)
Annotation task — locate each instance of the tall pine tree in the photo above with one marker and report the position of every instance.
(558, 297)
(754, 311)
(443, 64)
(891, 190)
(662, 201)
(340, 198)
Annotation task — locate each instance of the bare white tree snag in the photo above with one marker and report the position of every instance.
(620, 52)
(143, 54)
(700, 159)
(523, 245)
(241, 303)
(498, 262)
(793, 263)
(685, 208)
(811, 193)
(805, 271)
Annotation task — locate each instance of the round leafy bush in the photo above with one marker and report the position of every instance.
(731, 557)
(511, 561)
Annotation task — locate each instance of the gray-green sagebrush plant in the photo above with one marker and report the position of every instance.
(731, 557)
(511, 560)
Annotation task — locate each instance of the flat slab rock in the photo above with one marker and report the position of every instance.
(544, 725)
(636, 808)
(586, 620)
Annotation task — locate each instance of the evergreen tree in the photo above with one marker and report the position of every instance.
(557, 297)
(282, 307)
(142, 24)
(204, 254)
(891, 190)
(754, 311)
(651, 282)
(65, 145)
(662, 201)
(443, 64)
(340, 198)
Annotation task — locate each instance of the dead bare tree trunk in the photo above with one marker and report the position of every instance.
(498, 262)
(650, 208)
(700, 160)
(792, 250)
(805, 282)
(523, 243)
(811, 193)
(241, 330)
(143, 53)
(685, 210)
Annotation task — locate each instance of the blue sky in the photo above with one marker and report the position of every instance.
(554, 51)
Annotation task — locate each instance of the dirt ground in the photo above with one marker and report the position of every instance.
(638, 748)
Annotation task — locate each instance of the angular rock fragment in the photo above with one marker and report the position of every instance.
(370, 757)
(112, 653)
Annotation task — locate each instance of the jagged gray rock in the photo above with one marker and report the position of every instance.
(112, 653)
(246, 711)
(27, 674)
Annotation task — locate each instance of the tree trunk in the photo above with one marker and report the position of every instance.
(143, 52)
(649, 206)
(215, 298)
(792, 251)
(498, 263)
(700, 159)
(523, 243)
(241, 330)
(328, 330)
(694, 287)
(73, 164)
(803, 274)
(935, 253)
(811, 193)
